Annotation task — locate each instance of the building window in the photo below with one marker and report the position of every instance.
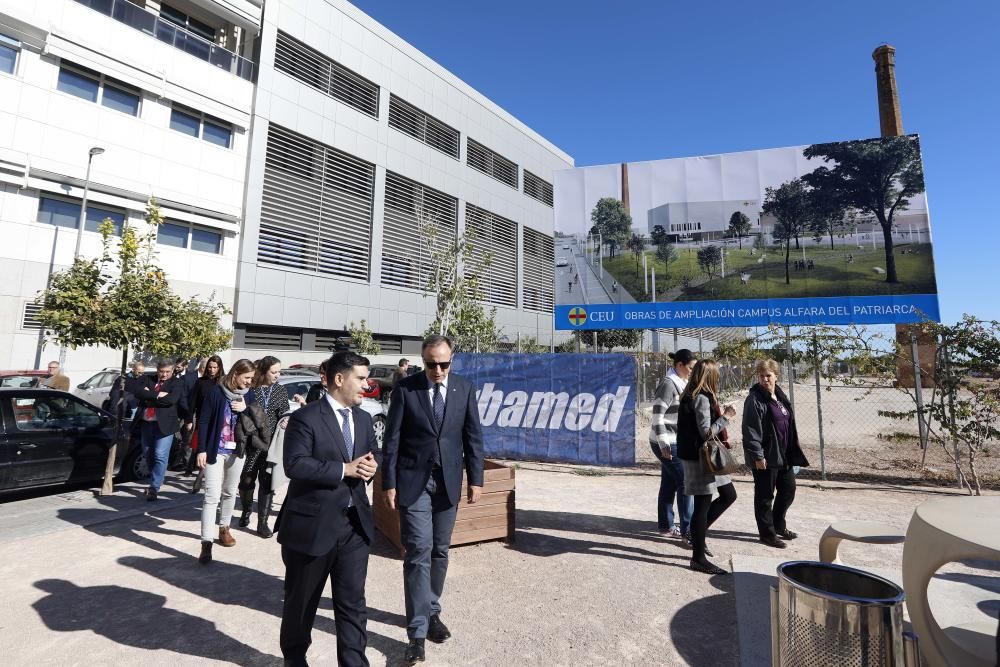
(537, 188)
(189, 23)
(314, 69)
(201, 126)
(495, 237)
(491, 163)
(538, 251)
(317, 207)
(410, 120)
(409, 208)
(65, 212)
(177, 234)
(94, 86)
(9, 49)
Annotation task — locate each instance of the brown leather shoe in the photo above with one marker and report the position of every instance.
(225, 537)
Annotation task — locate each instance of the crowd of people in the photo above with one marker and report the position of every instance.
(688, 420)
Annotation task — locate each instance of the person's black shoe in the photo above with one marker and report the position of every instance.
(206, 553)
(708, 552)
(150, 494)
(437, 631)
(706, 567)
(787, 534)
(414, 652)
(775, 542)
(245, 518)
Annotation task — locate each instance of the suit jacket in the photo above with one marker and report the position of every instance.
(58, 381)
(318, 492)
(143, 388)
(411, 439)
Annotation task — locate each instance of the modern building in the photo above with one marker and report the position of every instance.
(359, 143)
(298, 150)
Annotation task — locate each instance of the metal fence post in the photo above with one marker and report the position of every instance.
(595, 342)
(518, 342)
(918, 390)
(791, 366)
(700, 344)
(819, 408)
(951, 416)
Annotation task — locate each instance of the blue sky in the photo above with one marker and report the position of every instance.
(627, 81)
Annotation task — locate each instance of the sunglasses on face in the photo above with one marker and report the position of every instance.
(443, 365)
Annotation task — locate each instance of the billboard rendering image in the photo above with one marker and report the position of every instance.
(833, 233)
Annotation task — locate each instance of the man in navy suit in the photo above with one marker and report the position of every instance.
(326, 523)
(432, 435)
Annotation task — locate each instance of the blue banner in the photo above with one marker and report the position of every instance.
(900, 309)
(575, 408)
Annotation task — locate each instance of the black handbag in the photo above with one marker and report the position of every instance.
(717, 458)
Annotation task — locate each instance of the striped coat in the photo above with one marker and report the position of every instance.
(666, 402)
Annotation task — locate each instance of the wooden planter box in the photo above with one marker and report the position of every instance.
(492, 518)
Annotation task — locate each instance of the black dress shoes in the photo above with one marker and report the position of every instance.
(150, 494)
(437, 631)
(775, 542)
(414, 652)
(787, 534)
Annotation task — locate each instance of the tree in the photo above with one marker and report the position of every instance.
(828, 215)
(362, 339)
(612, 221)
(709, 259)
(877, 176)
(667, 254)
(739, 226)
(789, 205)
(610, 339)
(759, 242)
(637, 244)
(122, 300)
(658, 236)
(454, 269)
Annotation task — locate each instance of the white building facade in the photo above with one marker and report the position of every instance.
(358, 142)
(162, 95)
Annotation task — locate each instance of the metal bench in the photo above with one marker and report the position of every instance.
(869, 532)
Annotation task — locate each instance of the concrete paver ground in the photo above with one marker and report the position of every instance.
(588, 580)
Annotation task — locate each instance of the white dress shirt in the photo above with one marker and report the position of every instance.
(444, 391)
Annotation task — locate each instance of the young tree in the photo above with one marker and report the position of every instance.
(362, 339)
(609, 339)
(613, 222)
(759, 242)
(658, 236)
(829, 215)
(789, 204)
(637, 244)
(709, 259)
(877, 176)
(122, 300)
(454, 269)
(739, 226)
(667, 254)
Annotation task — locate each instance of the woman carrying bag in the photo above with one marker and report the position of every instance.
(700, 420)
(771, 446)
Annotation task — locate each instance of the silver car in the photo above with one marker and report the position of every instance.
(97, 389)
(301, 384)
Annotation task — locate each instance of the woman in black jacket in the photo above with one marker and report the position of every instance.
(771, 446)
(699, 418)
(213, 373)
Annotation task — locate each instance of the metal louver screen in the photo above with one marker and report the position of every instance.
(269, 338)
(29, 319)
(496, 235)
(539, 255)
(491, 163)
(316, 211)
(536, 188)
(325, 75)
(410, 120)
(409, 207)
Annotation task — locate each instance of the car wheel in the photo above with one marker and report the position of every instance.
(378, 425)
(134, 468)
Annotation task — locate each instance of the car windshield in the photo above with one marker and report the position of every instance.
(20, 381)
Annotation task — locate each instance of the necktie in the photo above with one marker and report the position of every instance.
(346, 430)
(150, 411)
(438, 406)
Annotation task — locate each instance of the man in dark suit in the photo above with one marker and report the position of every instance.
(188, 377)
(433, 433)
(326, 522)
(156, 419)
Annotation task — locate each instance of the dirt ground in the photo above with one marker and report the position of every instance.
(859, 444)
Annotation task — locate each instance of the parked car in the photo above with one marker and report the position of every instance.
(22, 379)
(383, 374)
(52, 437)
(562, 261)
(299, 384)
(97, 389)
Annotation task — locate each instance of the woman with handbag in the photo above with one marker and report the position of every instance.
(701, 437)
(771, 446)
(273, 399)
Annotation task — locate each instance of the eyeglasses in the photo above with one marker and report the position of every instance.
(443, 365)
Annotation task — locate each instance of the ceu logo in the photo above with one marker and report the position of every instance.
(577, 316)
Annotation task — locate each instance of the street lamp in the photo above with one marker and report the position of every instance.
(96, 150)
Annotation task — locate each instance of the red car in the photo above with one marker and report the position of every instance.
(374, 390)
(22, 379)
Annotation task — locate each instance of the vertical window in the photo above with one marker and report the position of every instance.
(172, 235)
(189, 23)
(8, 54)
(204, 240)
(184, 122)
(220, 135)
(121, 97)
(201, 126)
(82, 84)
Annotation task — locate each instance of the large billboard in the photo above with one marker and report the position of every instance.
(576, 408)
(834, 233)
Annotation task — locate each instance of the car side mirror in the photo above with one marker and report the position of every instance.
(82, 385)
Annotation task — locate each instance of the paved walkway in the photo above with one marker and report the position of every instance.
(588, 581)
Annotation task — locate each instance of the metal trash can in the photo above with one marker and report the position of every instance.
(830, 615)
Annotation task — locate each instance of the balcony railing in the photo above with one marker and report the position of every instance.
(173, 34)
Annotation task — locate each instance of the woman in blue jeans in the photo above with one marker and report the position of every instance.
(663, 442)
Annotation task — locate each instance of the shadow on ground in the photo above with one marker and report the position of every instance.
(701, 631)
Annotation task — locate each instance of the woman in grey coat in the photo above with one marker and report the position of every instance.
(699, 419)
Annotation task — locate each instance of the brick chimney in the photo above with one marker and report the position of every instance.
(890, 117)
(625, 187)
